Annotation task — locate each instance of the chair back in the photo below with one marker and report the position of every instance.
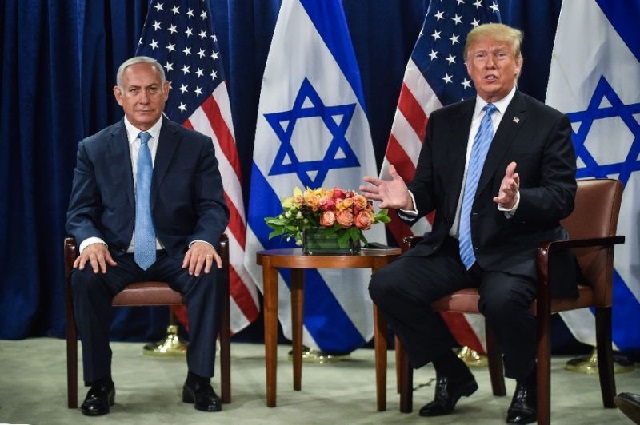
(595, 215)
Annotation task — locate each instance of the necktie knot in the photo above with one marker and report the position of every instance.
(489, 109)
(144, 137)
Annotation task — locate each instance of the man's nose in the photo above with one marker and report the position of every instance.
(144, 96)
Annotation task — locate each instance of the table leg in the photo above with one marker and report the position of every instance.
(297, 314)
(380, 347)
(270, 292)
(380, 353)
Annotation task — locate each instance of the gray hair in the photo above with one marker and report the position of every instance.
(140, 59)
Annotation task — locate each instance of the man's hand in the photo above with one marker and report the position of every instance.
(508, 192)
(391, 194)
(200, 254)
(98, 256)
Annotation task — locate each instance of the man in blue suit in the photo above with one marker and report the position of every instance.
(492, 209)
(146, 204)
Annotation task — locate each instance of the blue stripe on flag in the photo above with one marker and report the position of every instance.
(618, 13)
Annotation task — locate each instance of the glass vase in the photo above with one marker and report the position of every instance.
(317, 241)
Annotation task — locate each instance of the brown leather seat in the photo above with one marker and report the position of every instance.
(145, 294)
(592, 228)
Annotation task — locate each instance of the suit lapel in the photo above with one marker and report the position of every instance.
(511, 123)
(167, 145)
(119, 146)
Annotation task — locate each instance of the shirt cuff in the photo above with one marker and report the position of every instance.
(414, 211)
(510, 212)
(200, 240)
(89, 241)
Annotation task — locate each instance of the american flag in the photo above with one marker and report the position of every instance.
(435, 76)
(179, 34)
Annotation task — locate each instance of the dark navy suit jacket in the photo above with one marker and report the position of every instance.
(538, 139)
(187, 198)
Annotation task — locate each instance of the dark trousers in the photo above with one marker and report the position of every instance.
(93, 294)
(405, 289)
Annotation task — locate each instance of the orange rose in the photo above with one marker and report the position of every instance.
(345, 218)
(327, 218)
(363, 220)
(360, 202)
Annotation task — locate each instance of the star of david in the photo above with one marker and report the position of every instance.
(309, 105)
(598, 109)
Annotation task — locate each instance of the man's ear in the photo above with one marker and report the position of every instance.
(117, 93)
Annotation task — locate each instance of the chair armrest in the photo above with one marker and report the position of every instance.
(409, 242)
(546, 249)
(545, 256)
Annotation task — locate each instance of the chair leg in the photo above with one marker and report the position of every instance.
(605, 356)
(72, 365)
(225, 345)
(496, 370)
(544, 367)
(396, 343)
(406, 380)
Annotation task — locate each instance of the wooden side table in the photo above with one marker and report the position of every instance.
(292, 258)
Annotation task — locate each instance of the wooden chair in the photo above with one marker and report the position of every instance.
(146, 294)
(592, 228)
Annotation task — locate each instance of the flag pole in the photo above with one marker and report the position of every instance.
(171, 345)
(588, 365)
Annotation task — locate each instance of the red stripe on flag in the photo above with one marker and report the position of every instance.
(462, 331)
(242, 297)
(236, 226)
(398, 157)
(212, 110)
(409, 106)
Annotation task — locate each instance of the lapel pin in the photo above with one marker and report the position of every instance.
(516, 120)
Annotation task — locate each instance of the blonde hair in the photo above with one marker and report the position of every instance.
(499, 32)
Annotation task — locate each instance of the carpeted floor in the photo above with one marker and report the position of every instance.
(33, 391)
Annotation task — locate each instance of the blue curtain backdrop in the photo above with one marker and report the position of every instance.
(58, 68)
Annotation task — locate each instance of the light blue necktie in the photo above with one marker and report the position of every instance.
(144, 234)
(481, 144)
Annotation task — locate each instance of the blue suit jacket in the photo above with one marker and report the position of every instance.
(187, 198)
(538, 139)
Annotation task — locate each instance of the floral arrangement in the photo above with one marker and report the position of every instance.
(344, 213)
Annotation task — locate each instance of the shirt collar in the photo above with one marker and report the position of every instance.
(133, 132)
(501, 105)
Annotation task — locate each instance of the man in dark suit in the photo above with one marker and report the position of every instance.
(146, 204)
(492, 209)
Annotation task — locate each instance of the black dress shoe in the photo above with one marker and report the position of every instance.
(99, 399)
(524, 405)
(447, 395)
(629, 404)
(202, 396)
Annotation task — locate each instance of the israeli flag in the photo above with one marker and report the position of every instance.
(595, 80)
(312, 131)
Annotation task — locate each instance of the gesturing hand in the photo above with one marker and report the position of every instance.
(509, 187)
(391, 193)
